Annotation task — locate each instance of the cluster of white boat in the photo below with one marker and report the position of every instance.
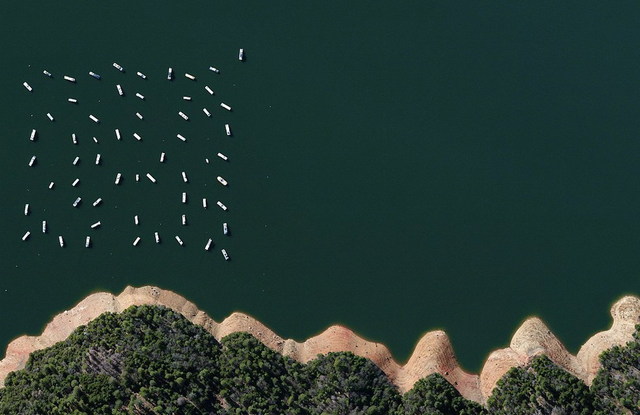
(119, 178)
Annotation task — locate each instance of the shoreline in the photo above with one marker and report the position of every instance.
(432, 354)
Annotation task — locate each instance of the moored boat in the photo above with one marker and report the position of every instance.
(222, 181)
(61, 241)
(170, 74)
(77, 201)
(241, 54)
(208, 245)
(151, 178)
(70, 79)
(206, 112)
(221, 205)
(209, 90)
(223, 157)
(225, 255)
(94, 75)
(26, 235)
(26, 85)
(141, 75)
(179, 240)
(225, 106)
(227, 129)
(118, 67)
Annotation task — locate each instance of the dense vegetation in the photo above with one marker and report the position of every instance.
(151, 360)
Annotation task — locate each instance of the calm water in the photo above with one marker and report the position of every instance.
(394, 167)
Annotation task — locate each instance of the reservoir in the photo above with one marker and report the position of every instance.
(393, 167)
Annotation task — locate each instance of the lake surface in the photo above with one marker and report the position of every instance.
(395, 167)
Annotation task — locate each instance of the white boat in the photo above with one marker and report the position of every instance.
(47, 73)
(26, 85)
(139, 115)
(223, 157)
(118, 67)
(74, 138)
(162, 156)
(32, 161)
(141, 75)
(206, 160)
(118, 177)
(222, 181)
(94, 75)
(61, 241)
(76, 161)
(70, 79)
(208, 245)
(77, 201)
(87, 242)
(184, 177)
(26, 235)
(183, 115)
(94, 118)
(137, 136)
(49, 116)
(221, 205)
(44, 226)
(34, 133)
(75, 182)
(170, 74)
(212, 69)
(136, 220)
(51, 184)
(186, 98)
(206, 112)
(225, 228)
(225, 106)
(136, 241)
(188, 75)
(139, 95)
(179, 240)
(204, 202)
(120, 91)
(118, 137)
(209, 90)
(151, 178)
(227, 129)
(224, 254)
(241, 54)
(97, 202)
(184, 220)
(157, 237)
(95, 140)
(26, 209)
(181, 137)
(184, 197)
(98, 156)
(137, 177)
(72, 100)
(96, 225)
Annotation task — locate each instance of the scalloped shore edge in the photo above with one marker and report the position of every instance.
(433, 352)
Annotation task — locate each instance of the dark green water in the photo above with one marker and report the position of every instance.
(394, 167)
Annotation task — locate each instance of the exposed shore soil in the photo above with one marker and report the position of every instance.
(433, 353)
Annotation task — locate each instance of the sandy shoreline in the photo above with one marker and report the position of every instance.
(433, 352)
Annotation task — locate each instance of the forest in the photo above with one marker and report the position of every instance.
(152, 360)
